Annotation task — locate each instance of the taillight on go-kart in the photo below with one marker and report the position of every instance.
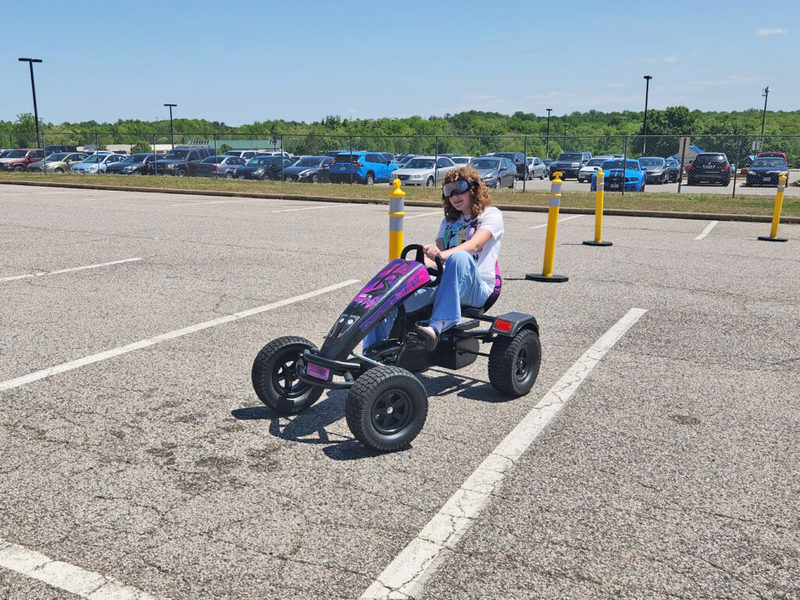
(504, 326)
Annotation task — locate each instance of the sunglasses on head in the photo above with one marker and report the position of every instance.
(459, 186)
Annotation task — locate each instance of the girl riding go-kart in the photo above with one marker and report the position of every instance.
(410, 318)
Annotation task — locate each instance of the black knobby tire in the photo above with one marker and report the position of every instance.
(275, 378)
(514, 363)
(386, 408)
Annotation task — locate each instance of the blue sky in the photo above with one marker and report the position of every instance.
(240, 62)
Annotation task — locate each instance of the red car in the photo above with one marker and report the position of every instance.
(18, 160)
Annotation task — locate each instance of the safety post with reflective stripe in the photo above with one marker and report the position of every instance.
(600, 182)
(396, 214)
(776, 213)
(550, 240)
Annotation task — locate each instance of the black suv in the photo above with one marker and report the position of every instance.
(569, 163)
(181, 160)
(711, 167)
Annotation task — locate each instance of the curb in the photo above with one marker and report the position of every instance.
(509, 207)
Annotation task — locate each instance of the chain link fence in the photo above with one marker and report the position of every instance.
(740, 149)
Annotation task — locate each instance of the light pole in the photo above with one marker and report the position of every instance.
(547, 143)
(30, 62)
(646, 94)
(765, 93)
(171, 135)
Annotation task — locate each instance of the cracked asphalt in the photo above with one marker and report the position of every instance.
(671, 473)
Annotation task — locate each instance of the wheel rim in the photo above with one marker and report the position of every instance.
(522, 366)
(391, 412)
(285, 379)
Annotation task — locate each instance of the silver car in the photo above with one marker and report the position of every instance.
(424, 170)
(495, 172)
(536, 168)
(221, 165)
(60, 162)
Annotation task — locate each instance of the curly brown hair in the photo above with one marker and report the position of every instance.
(478, 190)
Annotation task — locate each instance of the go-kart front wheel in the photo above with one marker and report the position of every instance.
(386, 408)
(275, 378)
(514, 363)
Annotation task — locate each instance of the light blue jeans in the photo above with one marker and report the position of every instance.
(460, 285)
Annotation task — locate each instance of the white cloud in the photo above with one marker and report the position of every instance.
(777, 31)
(671, 59)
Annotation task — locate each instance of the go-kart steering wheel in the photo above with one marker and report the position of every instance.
(419, 256)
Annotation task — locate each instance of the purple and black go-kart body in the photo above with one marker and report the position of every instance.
(386, 404)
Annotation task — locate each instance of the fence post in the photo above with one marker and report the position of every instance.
(624, 162)
(776, 213)
(683, 157)
(736, 169)
(550, 242)
(525, 166)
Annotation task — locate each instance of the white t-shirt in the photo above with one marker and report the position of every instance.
(459, 231)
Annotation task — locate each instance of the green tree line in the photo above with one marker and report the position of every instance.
(479, 130)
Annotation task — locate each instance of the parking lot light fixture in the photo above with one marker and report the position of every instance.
(30, 62)
(644, 127)
(171, 134)
(765, 93)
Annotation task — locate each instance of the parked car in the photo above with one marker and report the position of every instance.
(774, 155)
(277, 168)
(222, 165)
(182, 159)
(19, 159)
(518, 158)
(363, 167)
(536, 168)
(710, 167)
(590, 168)
(96, 163)
(766, 170)
(245, 154)
(673, 168)
(140, 163)
(262, 167)
(424, 170)
(58, 148)
(495, 171)
(569, 164)
(60, 162)
(309, 169)
(621, 174)
(656, 170)
(460, 159)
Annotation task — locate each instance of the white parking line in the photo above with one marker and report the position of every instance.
(70, 270)
(70, 578)
(707, 230)
(285, 210)
(560, 221)
(407, 574)
(88, 360)
(237, 201)
(438, 212)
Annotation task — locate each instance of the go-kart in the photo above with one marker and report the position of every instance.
(387, 405)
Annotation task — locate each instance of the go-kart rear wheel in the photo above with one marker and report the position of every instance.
(386, 408)
(275, 378)
(514, 363)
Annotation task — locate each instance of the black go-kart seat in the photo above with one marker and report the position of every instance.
(472, 311)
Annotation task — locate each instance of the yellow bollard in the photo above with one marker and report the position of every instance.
(776, 213)
(396, 214)
(550, 240)
(598, 211)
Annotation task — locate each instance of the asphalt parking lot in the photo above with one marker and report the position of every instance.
(138, 463)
